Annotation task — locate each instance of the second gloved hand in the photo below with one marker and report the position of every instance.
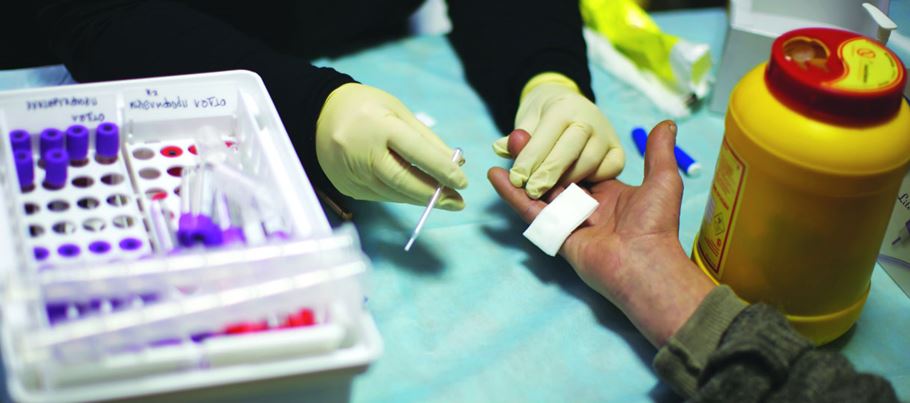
(371, 147)
(571, 140)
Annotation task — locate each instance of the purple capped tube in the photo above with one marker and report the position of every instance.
(233, 235)
(20, 140)
(50, 139)
(25, 169)
(77, 144)
(56, 311)
(193, 229)
(55, 166)
(107, 143)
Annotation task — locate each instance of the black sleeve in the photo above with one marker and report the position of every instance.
(762, 359)
(504, 43)
(120, 39)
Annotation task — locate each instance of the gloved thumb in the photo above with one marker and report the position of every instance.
(501, 147)
(509, 146)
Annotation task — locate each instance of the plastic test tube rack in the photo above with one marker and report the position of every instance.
(77, 207)
(100, 289)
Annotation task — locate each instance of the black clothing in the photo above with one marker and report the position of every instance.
(501, 43)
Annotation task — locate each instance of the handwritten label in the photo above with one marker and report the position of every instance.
(163, 103)
(60, 102)
(176, 101)
(88, 117)
(81, 116)
(210, 102)
(66, 107)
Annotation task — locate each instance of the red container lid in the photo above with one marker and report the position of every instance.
(837, 76)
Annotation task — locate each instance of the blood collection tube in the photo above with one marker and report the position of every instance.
(77, 145)
(56, 312)
(195, 224)
(107, 143)
(207, 231)
(25, 170)
(55, 166)
(230, 233)
(161, 229)
(50, 139)
(20, 140)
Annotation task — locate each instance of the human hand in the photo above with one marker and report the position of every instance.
(371, 147)
(571, 140)
(629, 250)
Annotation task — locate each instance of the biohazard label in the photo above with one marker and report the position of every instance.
(729, 178)
(867, 67)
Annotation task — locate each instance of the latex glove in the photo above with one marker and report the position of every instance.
(570, 138)
(371, 147)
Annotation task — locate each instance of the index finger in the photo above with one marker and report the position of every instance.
(417, 150)
(515, 197)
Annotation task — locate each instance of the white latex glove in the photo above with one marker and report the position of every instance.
(371, 147)
(571, 140)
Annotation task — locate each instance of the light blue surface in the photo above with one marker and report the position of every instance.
(474, 312)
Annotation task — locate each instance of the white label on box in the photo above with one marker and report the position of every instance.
(42, 111)
(174, 102)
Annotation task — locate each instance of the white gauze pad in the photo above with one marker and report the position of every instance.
(557, 221)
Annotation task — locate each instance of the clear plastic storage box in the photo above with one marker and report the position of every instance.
(160, 235)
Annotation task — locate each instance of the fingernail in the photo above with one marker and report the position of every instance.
(456, 179)
(451, 204)
(518, 180)
(672, 127)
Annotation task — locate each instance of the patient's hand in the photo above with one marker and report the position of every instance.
(629, 249)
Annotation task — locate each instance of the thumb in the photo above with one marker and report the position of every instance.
(659, 155)
(501, 147)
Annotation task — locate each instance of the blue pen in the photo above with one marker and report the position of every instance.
(683, 160)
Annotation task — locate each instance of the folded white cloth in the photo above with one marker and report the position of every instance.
(557, 221)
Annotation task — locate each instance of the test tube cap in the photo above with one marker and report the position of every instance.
(201, 336)
(20, 140)
(25, 167)
(209, 232)
(107, 139)
(192, 229)
(56, 311)
(50, 139)
(55, 165)
(233, 235)
(77, 142)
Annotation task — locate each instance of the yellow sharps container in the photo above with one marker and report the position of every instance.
(817, 141)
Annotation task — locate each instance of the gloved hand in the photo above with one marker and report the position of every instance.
(570, 138)
(371, 147)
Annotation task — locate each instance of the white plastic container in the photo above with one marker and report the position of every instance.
(754, 24)
(145, 344)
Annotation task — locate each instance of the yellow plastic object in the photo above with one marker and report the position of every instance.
(800, 202)
(632, 31)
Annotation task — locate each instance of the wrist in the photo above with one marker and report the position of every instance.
(665, 292)
(549, 77)
(336, 94)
